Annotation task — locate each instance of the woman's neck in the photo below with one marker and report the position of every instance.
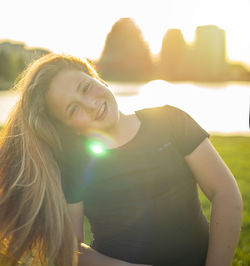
(120, 134)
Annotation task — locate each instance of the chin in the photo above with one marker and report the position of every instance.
(112, 123)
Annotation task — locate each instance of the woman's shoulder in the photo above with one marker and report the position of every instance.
(182, 127)
(162, 108)
(166, 112)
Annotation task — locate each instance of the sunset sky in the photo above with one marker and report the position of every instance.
(80, 27)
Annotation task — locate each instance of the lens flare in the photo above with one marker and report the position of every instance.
(98, 142)
(97, 149)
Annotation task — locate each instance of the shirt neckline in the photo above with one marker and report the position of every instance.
(129, 144)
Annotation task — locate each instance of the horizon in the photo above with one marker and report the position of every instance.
(81, 28)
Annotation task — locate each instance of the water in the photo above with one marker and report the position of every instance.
(222, 108)
(7, 101)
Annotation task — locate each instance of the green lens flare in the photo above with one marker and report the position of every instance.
(96, 148)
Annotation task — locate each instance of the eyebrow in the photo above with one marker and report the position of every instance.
(77, 89)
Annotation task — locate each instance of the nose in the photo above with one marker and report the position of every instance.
(89, 103)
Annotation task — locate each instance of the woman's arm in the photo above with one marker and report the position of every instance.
(86, 255)
(76, 212)
(91, 257)
(219, 185)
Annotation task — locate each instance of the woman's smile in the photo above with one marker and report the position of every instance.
(102, 112)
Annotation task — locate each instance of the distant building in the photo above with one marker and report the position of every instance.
(126, 56)
(173, 55)
(209, 52)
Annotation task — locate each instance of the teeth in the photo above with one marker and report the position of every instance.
(101, 111)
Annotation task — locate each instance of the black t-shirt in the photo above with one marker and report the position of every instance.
(141, 198)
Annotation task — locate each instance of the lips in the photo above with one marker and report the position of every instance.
(101, 111)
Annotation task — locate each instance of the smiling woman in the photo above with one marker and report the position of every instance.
(138, 187)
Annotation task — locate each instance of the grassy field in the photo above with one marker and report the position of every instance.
(235, 151)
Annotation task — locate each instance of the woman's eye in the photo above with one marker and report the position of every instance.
(73, 110)
(85, 87)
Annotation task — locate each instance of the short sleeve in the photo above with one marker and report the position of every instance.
(187, 133)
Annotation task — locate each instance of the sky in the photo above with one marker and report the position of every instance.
(80, 27)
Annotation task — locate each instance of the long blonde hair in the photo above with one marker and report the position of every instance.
(34, 218)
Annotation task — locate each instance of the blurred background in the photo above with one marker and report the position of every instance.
(193, 54)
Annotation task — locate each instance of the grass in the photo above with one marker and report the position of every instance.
(235, 151)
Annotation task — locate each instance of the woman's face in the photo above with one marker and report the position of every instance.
(82, 102)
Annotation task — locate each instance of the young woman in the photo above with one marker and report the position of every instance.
(140, 193)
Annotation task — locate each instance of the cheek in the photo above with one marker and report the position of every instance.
(101, 90)
(80, 121)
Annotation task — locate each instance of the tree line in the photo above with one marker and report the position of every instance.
(14, 57)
